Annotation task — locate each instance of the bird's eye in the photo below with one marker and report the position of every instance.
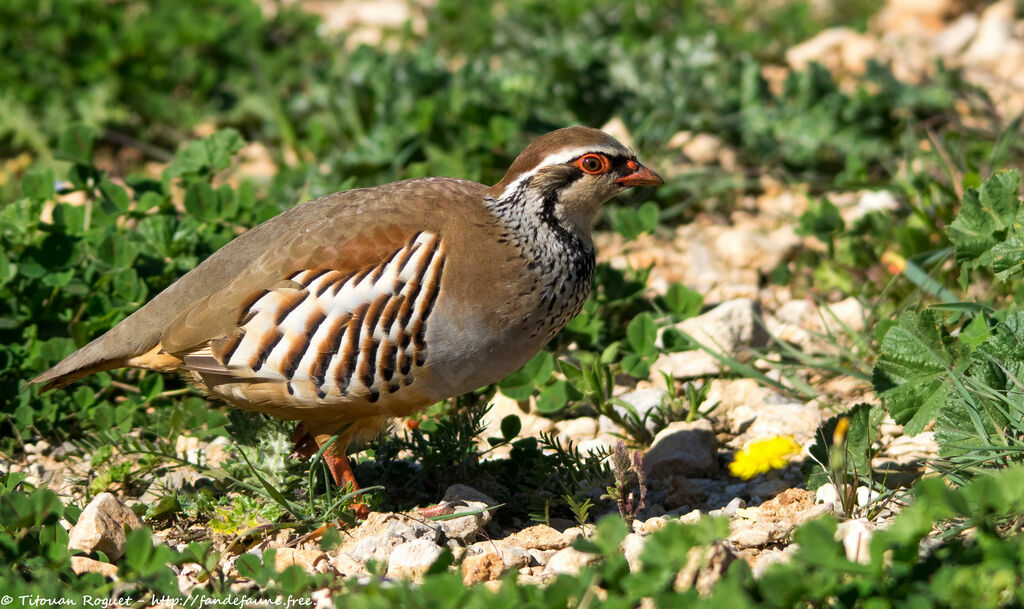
(593, 163)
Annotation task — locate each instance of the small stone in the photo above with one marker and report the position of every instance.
(577, 430)
(734, 504)
(856, 537)
(412, 559)
(691, 517)
(411, 530)
(767, 559)
(187, 448)
(751, 534)
(602, 443)
(540, 557)
(840, 49)
(994, 35)
(101, 526)
(39, 448)
(704, 566)
(540, 537)
(654, 524)
(866, 496)
(304, 559)
(618, 129)
(569, 561)
(84, 564)
(826, 494)
(683, 491)
(732, 327)
(346, 566)
(643, 401)
(632, 549)
(954, 38)
(481, 568)
(466, 499)
(700, 148)
(377, 548)
(218, 451)
(683, 449)
(65, 449)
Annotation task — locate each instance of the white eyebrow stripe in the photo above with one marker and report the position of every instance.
(557, 158)
(564, 156)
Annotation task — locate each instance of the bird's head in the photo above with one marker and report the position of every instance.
(567, 174)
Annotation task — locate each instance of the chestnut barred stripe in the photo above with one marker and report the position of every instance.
(335, 334)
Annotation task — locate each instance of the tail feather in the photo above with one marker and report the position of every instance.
(112, 350)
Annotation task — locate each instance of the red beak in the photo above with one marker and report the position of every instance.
(641, 176)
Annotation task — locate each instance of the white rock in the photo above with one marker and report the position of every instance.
(856, 537)
(617, 129)
(767, 559)
(632, 549)
(466, 499)
(730, 328)
(643, 401)
(218, 451)
(683, 449)
(187, 448)
(84, 564)
(826, 494)
(413, 558)
(866, 496)
(377, 548)
(540, 557)
(954, 38)
(840, 49)
(577, 430)
(777, 417)
(995, 34)
(735, 504)
(569, 561)
(101, 526)
(603, 442)
(691, 517)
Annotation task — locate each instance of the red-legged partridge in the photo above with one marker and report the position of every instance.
(359, 306)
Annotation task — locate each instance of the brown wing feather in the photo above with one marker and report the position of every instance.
(218, 314)
(343, 230)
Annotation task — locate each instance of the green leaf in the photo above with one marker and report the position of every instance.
(912, 374)
(511, 425)
(641, 334)
(206, 156)
(38, 183)
(117, 251)
(76, 144)
(630, 222)
(822, 222)
(863, 429)
(987, 232)
(553, 397)
(683, 302)
(115, 199)
(975, 332)
(636, 366)
(202, 201)
(985, 400)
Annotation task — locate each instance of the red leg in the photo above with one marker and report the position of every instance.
(341, 471)
(441, 509)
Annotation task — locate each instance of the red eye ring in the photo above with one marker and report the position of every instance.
(592, 164)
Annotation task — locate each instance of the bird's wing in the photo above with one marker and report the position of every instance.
(343, 232)
(324, 330)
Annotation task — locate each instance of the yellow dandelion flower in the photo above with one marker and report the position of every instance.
(764, 455)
